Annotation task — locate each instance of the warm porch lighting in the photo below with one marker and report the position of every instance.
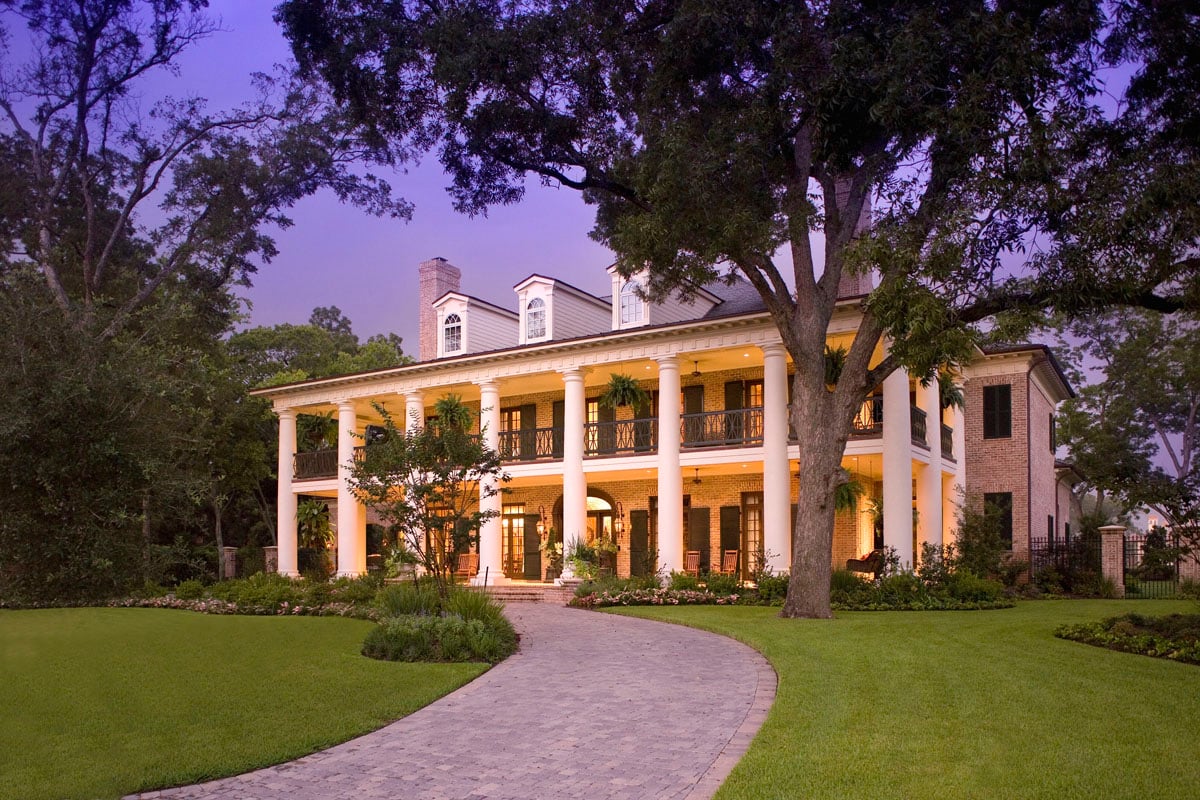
(619, 523)
(541, 523)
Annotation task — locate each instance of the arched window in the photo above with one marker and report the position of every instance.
(452, 334)
(535, 318)
(633, 308)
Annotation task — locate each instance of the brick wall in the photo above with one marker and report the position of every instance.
(1000, 465)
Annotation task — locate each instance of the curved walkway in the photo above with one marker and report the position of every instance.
(593, 705)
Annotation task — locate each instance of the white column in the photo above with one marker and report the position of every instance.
(670, 478)
(414, 411)
(351, 539)
(285, 500)
(959, 423)
(897, 466)
(491, 567)
(777, 496)
(574, 479)
(929, 480)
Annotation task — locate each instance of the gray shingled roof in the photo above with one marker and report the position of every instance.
(739, 297)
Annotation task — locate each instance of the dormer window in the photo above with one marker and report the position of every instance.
(535, 319)
(452, 334)
(633, 307)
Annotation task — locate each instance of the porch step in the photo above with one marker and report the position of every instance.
(531, 593)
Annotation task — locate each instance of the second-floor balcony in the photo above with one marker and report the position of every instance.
(709, 429)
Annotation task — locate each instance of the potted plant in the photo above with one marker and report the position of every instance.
(622, 390)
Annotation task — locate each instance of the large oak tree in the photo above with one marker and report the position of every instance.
(718, 135)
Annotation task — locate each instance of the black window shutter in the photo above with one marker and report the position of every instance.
(558, 419)
(698, 535)
(735, 395)
(693, 399)
(731, 528)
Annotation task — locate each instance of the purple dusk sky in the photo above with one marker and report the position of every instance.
(338, 255)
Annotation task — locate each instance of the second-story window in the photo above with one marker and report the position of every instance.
(997, 411)
(535, 319)
(633, 308)
(452, 334)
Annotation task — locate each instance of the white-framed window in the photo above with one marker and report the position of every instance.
(633, 308)
(535, 318)
(452, 334)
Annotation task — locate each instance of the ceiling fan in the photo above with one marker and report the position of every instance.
(696, 369)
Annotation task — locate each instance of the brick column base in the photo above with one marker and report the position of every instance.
(1112, 556)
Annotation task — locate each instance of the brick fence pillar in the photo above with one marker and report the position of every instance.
(1112, 555)
(229, 562)
(270, 559)
(1189, 565)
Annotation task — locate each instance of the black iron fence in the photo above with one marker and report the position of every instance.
(1151, 564)
(947, 442)
(1069, 566)
(917, 419)
(869, 420)
(620, 436)
(716, 428)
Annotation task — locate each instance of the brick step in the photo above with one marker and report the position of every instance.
(530, 594)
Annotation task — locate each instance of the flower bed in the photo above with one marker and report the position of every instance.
(212, 605)
(1175, 636)
(653, 597)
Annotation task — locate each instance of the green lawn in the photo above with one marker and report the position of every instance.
(101, 702)
(978, 704)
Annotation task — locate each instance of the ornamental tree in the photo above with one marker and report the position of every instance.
(427, 482)
(717, 137)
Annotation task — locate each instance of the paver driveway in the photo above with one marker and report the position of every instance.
(593, 706)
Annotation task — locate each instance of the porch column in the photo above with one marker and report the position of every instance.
(959, 492)
(491, 567)
(670, 478)
(574, 479)
(929, 481)
(351, 537)
(777, 496)
(285, 500)
(414, 411)
(897, 466)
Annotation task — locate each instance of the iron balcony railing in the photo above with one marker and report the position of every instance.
(722, 428)
(947, 442)
(869, 420)
(531, 444)
(742, 426)
(620, 436)
(919, 434)
(318, 464)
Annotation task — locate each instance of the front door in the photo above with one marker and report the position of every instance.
(533, 552)
(600, 524)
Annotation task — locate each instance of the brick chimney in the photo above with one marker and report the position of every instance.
(859, 284)
(435, 277)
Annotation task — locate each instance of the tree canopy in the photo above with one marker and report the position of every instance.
(1133, 432)
(714, 135)
(719, 136)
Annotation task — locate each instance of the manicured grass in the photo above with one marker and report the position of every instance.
(980, 704)
(102, 702)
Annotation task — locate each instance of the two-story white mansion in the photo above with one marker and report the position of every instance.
(709, 465)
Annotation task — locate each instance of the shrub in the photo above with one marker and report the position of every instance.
(613, 585)
(264, 591)
(847, 587)
(771, 589)
(682, 582)
(452, 638)
(967, 587)
(473, 604)
(190, 590)
(361, 590)
(721, 584)
(418, 597)
(1189, 589)
(901, 589)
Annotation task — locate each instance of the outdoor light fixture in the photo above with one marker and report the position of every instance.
(541, 523)
(619, 525)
